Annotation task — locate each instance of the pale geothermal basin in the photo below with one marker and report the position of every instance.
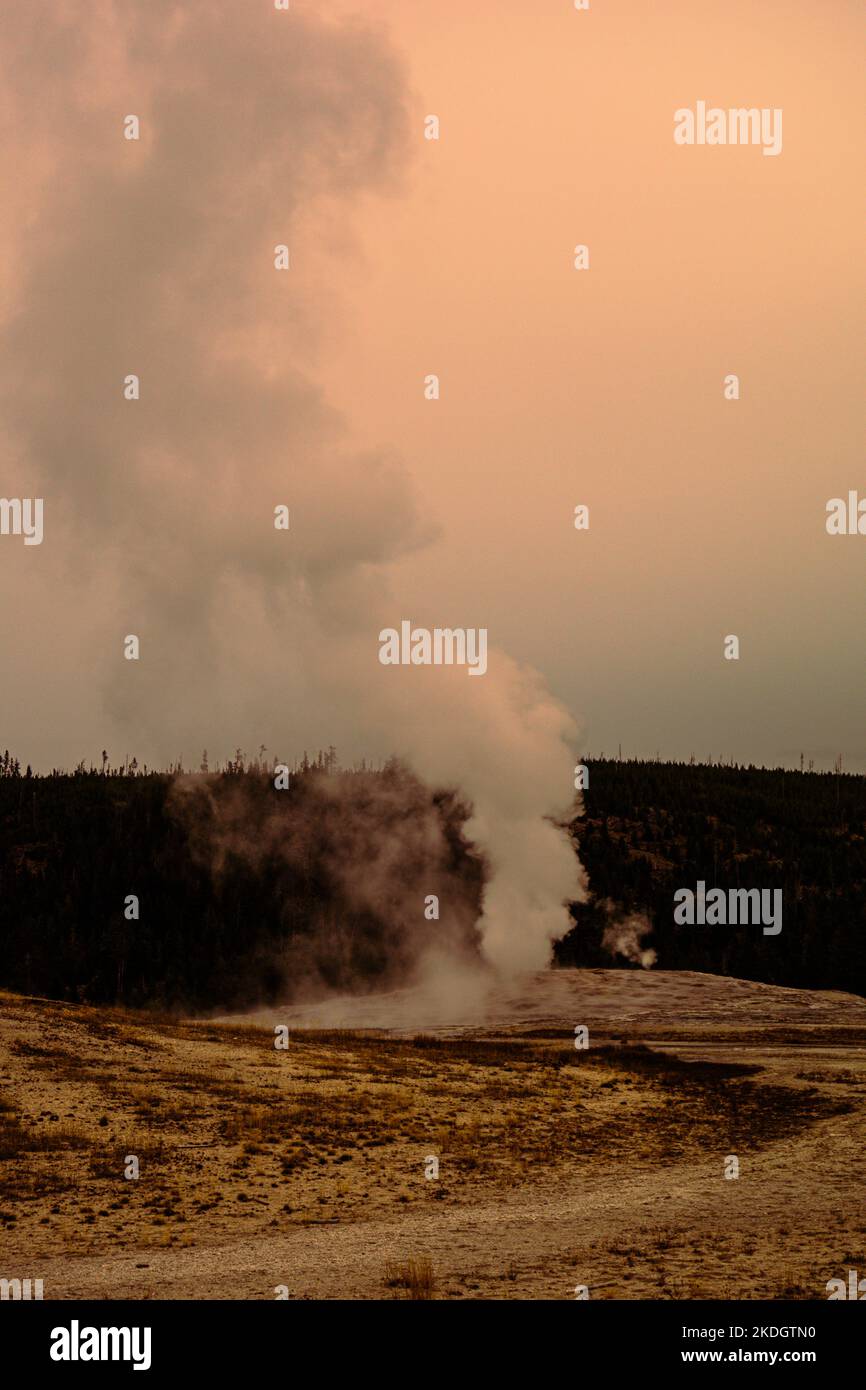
(658, 999)
(305, 1167)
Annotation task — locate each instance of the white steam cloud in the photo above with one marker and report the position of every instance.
(624, 936)
(156, 257)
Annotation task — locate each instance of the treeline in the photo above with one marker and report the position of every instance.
(324, 761)
(215, 890)
(650, 828)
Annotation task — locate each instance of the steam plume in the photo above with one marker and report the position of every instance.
(156, 257)
(624, 935)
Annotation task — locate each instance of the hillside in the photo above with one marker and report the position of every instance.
(245, 896)
(650, 828)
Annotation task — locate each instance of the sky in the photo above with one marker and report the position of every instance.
(410, 256)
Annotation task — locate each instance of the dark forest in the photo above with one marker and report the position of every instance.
(247, 894)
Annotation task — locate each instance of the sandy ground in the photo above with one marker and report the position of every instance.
(304, 1169)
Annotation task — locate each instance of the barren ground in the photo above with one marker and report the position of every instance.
(306, 1167)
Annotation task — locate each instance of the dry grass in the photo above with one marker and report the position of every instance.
(17, 1139)
(414, 1279)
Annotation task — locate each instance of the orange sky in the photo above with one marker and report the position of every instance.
(707, 516)
(452, 257)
